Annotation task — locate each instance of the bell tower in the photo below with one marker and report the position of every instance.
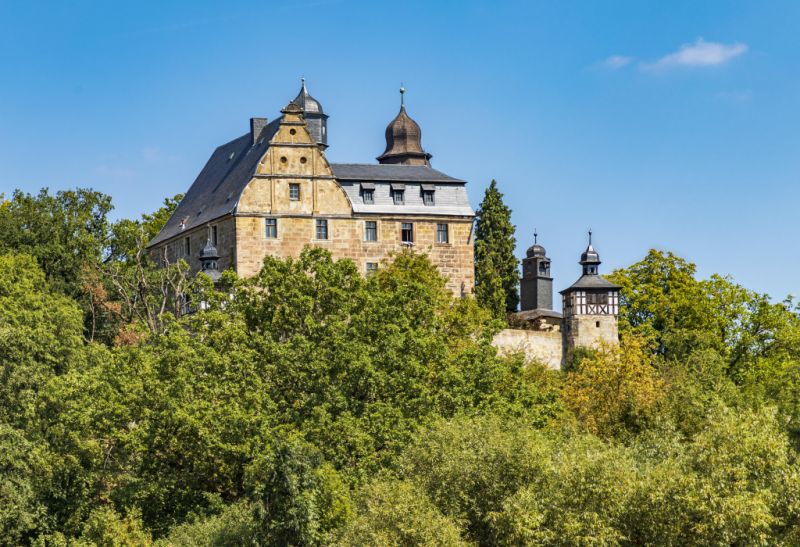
(590, 307)
(536, 284)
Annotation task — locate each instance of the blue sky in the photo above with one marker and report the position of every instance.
(657, 124)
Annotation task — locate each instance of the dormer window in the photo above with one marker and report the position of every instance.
(368, 193)
(399, 194)
(428, 194)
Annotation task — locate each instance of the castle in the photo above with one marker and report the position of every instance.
(590, 307)
(272, 191)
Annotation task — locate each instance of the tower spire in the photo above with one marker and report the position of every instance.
(404, 139)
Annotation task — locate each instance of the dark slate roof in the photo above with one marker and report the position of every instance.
(530, 315)
(592, 282)
(216, 190)
(405, 173)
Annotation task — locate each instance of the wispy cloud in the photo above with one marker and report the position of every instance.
(113, 172)
(615, 62)
(698, 54)
(735, 97)
(153, 154)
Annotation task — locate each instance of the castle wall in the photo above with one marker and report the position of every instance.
(588, 331)
(541, 346)
(176, 248)
(346, 240)
(294, 159)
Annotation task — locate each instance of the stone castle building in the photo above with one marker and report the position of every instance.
(272, 191)
(590, 307)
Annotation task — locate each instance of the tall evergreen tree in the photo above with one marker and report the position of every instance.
(496, 276)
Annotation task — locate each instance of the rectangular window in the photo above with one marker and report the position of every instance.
(187, 247)
(294, 191)
(442, 234)
(371, 230)
(427, 197)
(368, 196)
(214, 235)
(407, 233)
(372, 267)
(271, 228)
(398, 196)
(322, 228)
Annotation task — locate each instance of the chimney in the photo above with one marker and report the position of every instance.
(257, 126)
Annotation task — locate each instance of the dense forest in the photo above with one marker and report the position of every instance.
(310, 405)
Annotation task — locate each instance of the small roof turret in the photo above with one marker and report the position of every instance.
(208, 259)
(305, 101)
(590, 259)
(404, 140)
(315, 118)
(591, 278)
(536, 249)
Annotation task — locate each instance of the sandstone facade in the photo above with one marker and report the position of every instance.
(290, 188)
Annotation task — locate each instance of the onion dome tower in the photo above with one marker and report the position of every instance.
(209, 258)
(315, 117)
(536, 284)
(404, 140)
(590, 306)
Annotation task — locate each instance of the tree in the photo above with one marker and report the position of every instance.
(396, 512)
(64, 232)
(614, 389)
(496, 274)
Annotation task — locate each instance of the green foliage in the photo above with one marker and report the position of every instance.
(309, 405)
(496, 275)
(64, 232)
(233, 526)
(23, 473)
(40, 336)
(396, 512)
(299, 500)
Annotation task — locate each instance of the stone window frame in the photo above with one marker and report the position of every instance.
(294, 191)
(440, 231)
(321, 224)
(270, 222)
(371, 228)
(407, 233)
(187, 247)
(214, 240)
(371, 267)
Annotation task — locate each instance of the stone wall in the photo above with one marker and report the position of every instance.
(588, 331)
(542, 346)
(293, 158)
(176, 248)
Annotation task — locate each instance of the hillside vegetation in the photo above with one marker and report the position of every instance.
(309, 405)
